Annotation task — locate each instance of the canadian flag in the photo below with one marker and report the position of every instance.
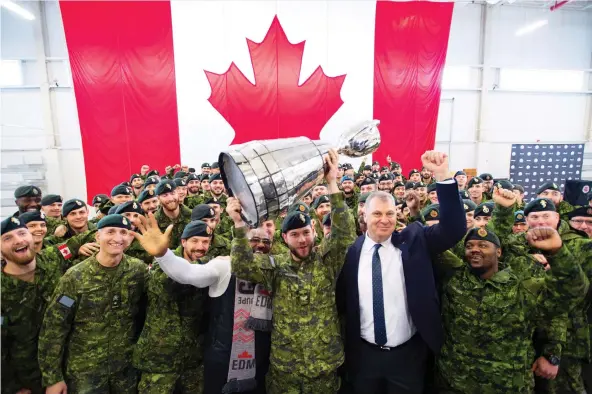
(179, 81)
(65, 251)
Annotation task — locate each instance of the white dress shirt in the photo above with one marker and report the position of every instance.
(399, 326)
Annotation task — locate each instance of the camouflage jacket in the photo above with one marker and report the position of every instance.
(91, 322)
(564, 208)
(306, 337)
(53, 223)
(352, 201)
(23, 306)
(488, 324)
(178, 224)
(55, 240)
(193, 201)
(136, 251)
(172, 337)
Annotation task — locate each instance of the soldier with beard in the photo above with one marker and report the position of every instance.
(27, 198)
(349, 192)
(148, 200)
(487, 185)
(217, 189)
(361, 221)
(385, 183)
(368, 185)
(551, 191)
(426, 176)
(194, 197)
(171, 212)
(219, 245)
(137, 184)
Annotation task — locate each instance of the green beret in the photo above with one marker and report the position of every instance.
(375, 175)
(180, 182)
(519, 188)
(180, 174)
(486, 176)
(196, 228)
(50, 199)
(294, 221)
(474, 181)
(368, 181)
(114, 220)
(582, 211)
(27, 191)
(215, 165)
(205, 165)
(299, 207)
(410, 185)
(99, 199)
(482, 234)
(327, 220)
(202, 211)
(146, 195)
(71, 205)
(432, 212)
(320, 200)
(151, 180)
(192, 177)
(204, 177)
(385, 177)
(413, 171)
(464, 194)
(399, 184)
(129, 206)
(469, 205)
(484, 209)
(363, 197)
(212, 200)
(135, 176)
(121, 189)
(519, 217)
(126, 183)
(548, 186)
(32, 216)
(215, 177)
(420, 184)
(152, 173)
(539, 205)
(112, 210)
(431, 187)
(10, 224)
(165, 186)
(504, 184)
(368, 167)
(105, 206)
(459, 173)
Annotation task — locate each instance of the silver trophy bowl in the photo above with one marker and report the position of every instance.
(269, 176)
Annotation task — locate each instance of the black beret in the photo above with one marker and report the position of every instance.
(519, 217)
(469, 205)
(368, 181)
(375, 162)
(105, 206)
(196, 228)
(484, 209)
(399, 184)
(153, 172)
(504, 184)
(420, 184)
(192, 177)
(548, 186)
(50, 199)
(413, 171)
(368, 168)
(384, 168)
(394, 164)
(165, 186)
(431, 187)
(71, 205)
(204, 177)
(581, 211)
(539, 205)
(486, 176)
(146, 195)
(464, 194)
(10, 224)
(99, 198)
(482, 234)
(180, 174)
(299, 207)
(215, 165)
(126, 183)
(212, 200)
(114, 220)
(121, 189)
(320, 200)
(180, 182)
(134, 176)
(432, 212)
(112, 210)
(474, 181)
(358, 176)
(363, 197)
(191, 170)
(340, 166)
(294, 221)
(27, 191)
(129, 206)
(151, 180)
(202, 211)
(459, 173)
(205, 165)
(410, 185)
(375, 175)
(348, 166)
(32, 216)
(519, 188)
(327, 220)
(346, 178)
(215, 177)
(384, 178)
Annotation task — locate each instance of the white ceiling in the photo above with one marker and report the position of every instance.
(577, 5)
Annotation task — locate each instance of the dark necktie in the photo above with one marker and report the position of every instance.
(378, 299)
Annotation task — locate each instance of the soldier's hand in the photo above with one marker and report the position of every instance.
(154, 241)
(544, 238)
(60, 231)
(543, 368)
(505, 198)
(89, 249)
(542, 260)
(233, 209)
(331, 168)
(58, 388)
(437, 163)
(412, 200)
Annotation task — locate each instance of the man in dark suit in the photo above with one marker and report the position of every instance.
(387, 290)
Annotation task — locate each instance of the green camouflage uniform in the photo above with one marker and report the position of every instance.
(169, 352)
(23, 307)
(488, 324)
(136, 251)
(55, 240)
(224, 228)
(563, 209)
(306, 347)
(178, 224)
(352, 201)
(89, 343)
(53, 223)
(193, 201)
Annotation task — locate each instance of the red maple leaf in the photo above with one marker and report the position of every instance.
(245, 354)
(275, 106)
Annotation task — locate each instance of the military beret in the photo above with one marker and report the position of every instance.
(205, 165)
(375, 163)
(484, 209)
(180, 174)
(180, 182)
(320, 200)
(581, 211)
(112, 210)
(469, 206)
(384, 168)
(204, 177)
(431, 187)
(486, 176)
(519, 217)
(129, 206)
(346, 178)
(134, 176)
(10, 224)
(368, 181)
(413, 171)
(105, 206)
(27, 191)
(519, 188)
(482, 234)
(165, 186)
(358, 176)
(504, 184)
(151, 180)
(385, 177)
(410, 185)
(367, 168)
(340, 166)
(215, 177)
(464, 194)
(548, 186)
(539, 205)
(191, 170)
(146, 195)
(327, 220)
(348, 166)
(394, 164)
(363, 197)
(459, 173)
(294, 221)
(474, 181)
(32, 216)
(375, 175)
(215, 165)
(202, 211)
(126, 183)
(114, 220)
(420, 184)
(121, 189)
(152, 173)
(99, 198)
(299, 207)
(432, 212)
(212, 200)
(192, 177)
(50, 199)
(196, 228)
(71, 205)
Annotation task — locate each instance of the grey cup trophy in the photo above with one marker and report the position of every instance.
(269, 176)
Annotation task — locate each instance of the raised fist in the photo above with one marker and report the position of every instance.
(233, 209)
(544, 238)
(437, 163)
(503, 197)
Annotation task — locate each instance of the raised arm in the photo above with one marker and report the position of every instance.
(215, 273)
(503, 214)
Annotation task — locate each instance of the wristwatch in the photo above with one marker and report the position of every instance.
(553, 359)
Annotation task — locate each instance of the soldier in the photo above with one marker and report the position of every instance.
(205, 183)
(349, 191)
(368, 185)
(414, 176)
(375, 166)
(427, 177)
(217, 189)
(121, 194)
(520, 225)
(475, 189)
(487, 184)
(132, 211)
(551, 191)
(278, 246)
(51, 205)
(461, 179)
(385, 183)
(581, 219)
(91, 322)
(219, 245)
(361, 221)
(193, 185)
(321, 206)
(27, 198)
(151, 183)
(319, 190)
(98, 200)
(137, 184)
(144, 170)
(307, 199)
(422, 192)
(215, 168)
(399, 192)
(181, 188)
(306, 343)
(171, 212)
(148, 200)
(28, 278)
(259, 241)
(75, 212)
(37, 226)
(519, 193)
(482, 214)
(469, 207)
(205, 168)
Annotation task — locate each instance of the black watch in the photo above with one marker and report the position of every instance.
(553, 359)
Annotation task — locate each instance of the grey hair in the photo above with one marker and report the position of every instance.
(382, 196)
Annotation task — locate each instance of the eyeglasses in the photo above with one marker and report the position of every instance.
(581, 221)
(259, 240)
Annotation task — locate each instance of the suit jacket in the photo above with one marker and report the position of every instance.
(418, 244)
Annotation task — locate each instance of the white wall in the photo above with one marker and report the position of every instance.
(40, 133)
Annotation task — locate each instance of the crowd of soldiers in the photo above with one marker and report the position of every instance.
(87, 307)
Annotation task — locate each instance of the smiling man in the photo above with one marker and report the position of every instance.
(171, 212)
(219, 245)
(27, 198)
(51, 205)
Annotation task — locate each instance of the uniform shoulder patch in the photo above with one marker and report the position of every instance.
(65, 251)
(66, 301)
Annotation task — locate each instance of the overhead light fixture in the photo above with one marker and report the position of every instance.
(532, 27)
(493, 2)
(17, 9)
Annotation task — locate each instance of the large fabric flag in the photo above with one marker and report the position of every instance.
(176, 81)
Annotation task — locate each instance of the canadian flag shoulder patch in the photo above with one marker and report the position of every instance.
(65, 251)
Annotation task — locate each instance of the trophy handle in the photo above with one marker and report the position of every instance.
(230, 194)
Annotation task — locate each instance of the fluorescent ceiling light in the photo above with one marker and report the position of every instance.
(17, 9)
(530, 28)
